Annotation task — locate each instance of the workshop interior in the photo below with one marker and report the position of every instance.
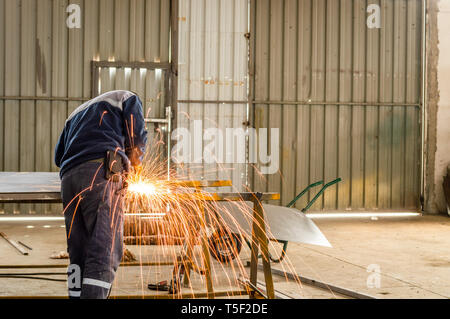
(224, 149)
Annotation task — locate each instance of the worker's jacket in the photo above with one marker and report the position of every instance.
(112, 121)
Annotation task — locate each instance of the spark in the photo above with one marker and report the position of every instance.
(174, 212)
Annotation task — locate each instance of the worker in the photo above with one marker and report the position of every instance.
(102, 140)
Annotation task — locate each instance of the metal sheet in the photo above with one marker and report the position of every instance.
(283, 223)
(35, 187)
(354, 95)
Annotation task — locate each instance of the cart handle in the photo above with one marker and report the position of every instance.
(337, 180)
(303, 193)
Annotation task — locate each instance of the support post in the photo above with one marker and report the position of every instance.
(260, 239)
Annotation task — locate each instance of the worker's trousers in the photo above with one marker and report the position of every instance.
(93, 216)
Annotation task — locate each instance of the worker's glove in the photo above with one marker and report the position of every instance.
(134, 155)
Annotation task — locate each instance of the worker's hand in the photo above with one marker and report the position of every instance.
(134, 156)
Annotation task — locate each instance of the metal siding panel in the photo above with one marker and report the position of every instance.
(106, 30)
(44, 154)
(183, 69)
(303, 93)
(261, 79)
(121, 30)
(226, 59)
(398, 112)
(340, 59)
(137, 18)
(59, 70)
(289, 115)
(317, 117)
(276, 43)
(106, 41)
(210, 119)
(59, 65)
(412, 138)
(75, 63)
(27, 88)
(371, 118)
(385, 112)
(196, 66)
(164, 19)
(152, 27)
(331, 94)
(91, 48)
(345, 111)
(213, 66)
(239, 83)
(358, 95)
(12, 87)
(121, 43)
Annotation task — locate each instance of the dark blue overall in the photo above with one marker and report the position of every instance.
(94, 228)
(92, 204)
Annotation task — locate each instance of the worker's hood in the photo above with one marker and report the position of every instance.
(283, 223)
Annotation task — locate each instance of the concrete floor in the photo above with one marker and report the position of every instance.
(412, 254)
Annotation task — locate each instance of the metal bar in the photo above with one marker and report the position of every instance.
(253, 288)
(205, 249)
(14, 244)
(44, 98)
(131, 65)
(278, 294)
(254, 256)
(24, 245)
(320, 284)
(95, 74)
(320, 193)
(292, 202)
(159, 121)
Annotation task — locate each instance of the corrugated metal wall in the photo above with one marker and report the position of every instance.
(40, 56)
(345, 97)
(213, 64)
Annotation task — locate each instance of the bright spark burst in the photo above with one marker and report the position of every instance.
(169, 214)
(143, 188)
